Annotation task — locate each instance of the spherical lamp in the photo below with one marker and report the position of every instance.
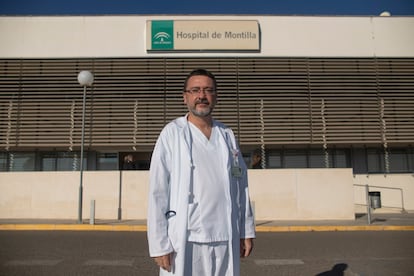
(85, 78)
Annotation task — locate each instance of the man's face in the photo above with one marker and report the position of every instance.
(200, 96)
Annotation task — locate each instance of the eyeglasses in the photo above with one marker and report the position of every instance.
(197, 90)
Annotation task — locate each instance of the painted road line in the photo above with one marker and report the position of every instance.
(109, 263)
(264, 262)
(38, 262)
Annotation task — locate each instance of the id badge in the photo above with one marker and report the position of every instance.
(236, 171)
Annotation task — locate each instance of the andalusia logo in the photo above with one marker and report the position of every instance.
(162, 33)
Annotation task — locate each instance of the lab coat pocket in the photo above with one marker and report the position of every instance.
(194, 219)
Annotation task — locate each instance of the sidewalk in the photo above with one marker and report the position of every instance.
(379, 222)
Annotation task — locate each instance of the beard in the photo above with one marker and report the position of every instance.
(203, 112)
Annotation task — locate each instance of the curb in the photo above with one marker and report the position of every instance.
(71, 227)
(333, 228)
(143, 228)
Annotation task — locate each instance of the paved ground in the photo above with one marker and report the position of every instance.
(379, 222)
(114, 253)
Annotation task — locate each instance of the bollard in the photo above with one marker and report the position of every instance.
(368, 204)
(92, 218)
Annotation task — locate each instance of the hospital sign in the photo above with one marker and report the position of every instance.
(203, 35)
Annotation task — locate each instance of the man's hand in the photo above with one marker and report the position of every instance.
(246, 247)
(164, 261)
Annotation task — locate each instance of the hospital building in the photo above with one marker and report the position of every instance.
(327, 101)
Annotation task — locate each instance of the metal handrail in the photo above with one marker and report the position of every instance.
(368, 200)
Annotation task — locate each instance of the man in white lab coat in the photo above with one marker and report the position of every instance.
(199, 215)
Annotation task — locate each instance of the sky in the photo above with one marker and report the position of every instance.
(177, 7)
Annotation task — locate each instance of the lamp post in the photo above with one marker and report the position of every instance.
(85, 78)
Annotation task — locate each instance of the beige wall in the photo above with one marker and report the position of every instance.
(397, 191)
(56, 194)
(282, 194)
(281, 36)
(302, 194)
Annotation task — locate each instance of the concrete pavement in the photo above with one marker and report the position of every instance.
(379, 222)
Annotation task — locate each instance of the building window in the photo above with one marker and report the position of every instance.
(107, 161)
(3, 162)
(375, 160)
(317, 159)
(21, 161)
(49, 162)
(311, 158)
(274, 160)
(62, 161)
(341, 158)
(70, 161)
(295, 159)
(398, 160)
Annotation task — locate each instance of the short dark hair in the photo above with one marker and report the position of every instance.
(200, 72)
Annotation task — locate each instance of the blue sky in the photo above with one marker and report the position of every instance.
(259, 7)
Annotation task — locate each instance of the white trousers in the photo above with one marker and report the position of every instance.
(206, 259)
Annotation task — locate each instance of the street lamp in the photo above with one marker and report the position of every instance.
(85, 78)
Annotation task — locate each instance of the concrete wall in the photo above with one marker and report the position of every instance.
(277, 194)
(282, 194)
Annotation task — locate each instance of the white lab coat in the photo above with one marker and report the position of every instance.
(170, 180)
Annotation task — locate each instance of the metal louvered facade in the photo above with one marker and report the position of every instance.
(306, 102)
